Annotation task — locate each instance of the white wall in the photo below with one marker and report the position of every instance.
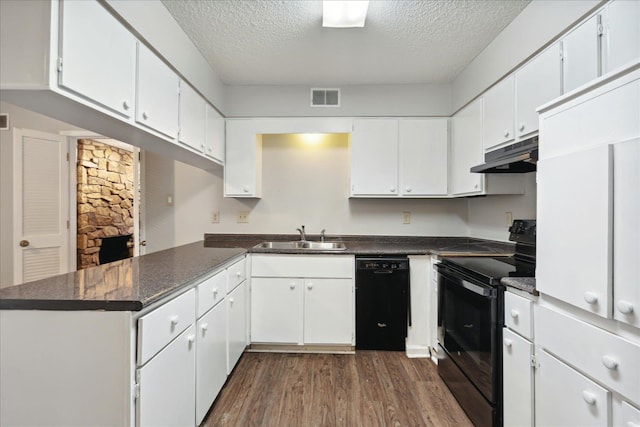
(158, 215)
(154, 24)
(539, 23)
(486, 217)
(306, 185)
(25, 119)
(356, 100)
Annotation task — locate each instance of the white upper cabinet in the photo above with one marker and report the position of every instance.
(374, 157)
(98, 56)
(537, 83)
(157, 94)
(466, 150)
(621, 42)
(498, 117)
(243, 160)
(423, 157)
(192, 118)
(214, 138)
(580, 55)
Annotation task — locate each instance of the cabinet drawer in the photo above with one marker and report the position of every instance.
(329, 266)
(210, 292)
(607, 358)
(564, 397)
(236, 274)
(158, 328)
(518, 314)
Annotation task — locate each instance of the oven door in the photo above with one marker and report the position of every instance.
(470, 326)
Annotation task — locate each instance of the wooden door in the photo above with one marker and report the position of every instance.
(41, 205)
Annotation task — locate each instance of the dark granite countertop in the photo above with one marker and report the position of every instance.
(527, 284)
(127, 285)
(370, 245)
(135, 283)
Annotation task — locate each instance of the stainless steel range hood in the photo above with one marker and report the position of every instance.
(520, 157)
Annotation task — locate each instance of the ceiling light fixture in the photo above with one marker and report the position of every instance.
(344, 14)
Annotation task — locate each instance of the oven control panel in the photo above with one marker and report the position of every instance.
(523, 231)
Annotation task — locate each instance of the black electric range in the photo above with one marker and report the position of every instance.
(470, 321)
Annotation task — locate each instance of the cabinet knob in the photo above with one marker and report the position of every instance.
(310, 286)
(514, 313)
(125, 105)
(624, 307)
(609, 362)
(215, 292)
(174, 320)
(475, 186)
(507, 342)
(204, 327)
(245, 189)
(191, 339)
(408, 189)
(24, 243)
(590, 297)
(145, 116)
(292, 285)
(506, 134)
(231, 300)
(521, 127)
(589, 397)
(238, 274)
(392, 189)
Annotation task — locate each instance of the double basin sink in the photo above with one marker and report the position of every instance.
(302, 244)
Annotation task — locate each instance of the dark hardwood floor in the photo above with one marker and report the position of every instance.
(370, 388)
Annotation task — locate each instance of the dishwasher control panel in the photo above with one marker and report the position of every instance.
(382, 264)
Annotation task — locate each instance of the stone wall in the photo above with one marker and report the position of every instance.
(105, 197)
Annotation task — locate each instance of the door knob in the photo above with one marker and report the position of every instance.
(24, 243)
(143, 243)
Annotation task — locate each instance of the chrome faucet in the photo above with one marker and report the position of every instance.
(303, 236)
(322, 235)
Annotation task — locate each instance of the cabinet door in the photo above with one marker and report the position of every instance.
(374, 157)
(214, 138)
(537, 83)
(466, 150)
(236, 325)
(167, 384)
(574, 229)
(192, 118)
(626, 232)
(276, 310)
(566, 398)
(211, 358)
(621, 43)
(517, 375)
(157, 90)
(423, 157)
(242, 170)
(580, 57)
(498, 116)
(98, 56)
(328, 311)
(625, 415)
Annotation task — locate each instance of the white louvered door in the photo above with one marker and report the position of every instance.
(41, 205)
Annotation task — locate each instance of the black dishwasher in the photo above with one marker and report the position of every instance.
(382, 303)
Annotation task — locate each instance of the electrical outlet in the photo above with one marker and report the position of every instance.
(508, 218)
(406, 217)
(215, 217)
(243, 217)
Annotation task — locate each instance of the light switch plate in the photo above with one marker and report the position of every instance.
(215, 217)
(406, 217)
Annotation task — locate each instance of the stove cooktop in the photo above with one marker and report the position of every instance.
(490, 270)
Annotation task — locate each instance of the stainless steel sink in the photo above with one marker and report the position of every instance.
(300, 244)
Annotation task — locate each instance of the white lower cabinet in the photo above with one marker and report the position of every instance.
(211, 358)
(236, 324)
(167, 384)
(517, 379)
(302, 300)
(565, 397)
(328, 317)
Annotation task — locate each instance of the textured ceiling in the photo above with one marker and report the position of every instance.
(283, 41)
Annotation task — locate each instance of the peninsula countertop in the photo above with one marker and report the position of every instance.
(135, 283)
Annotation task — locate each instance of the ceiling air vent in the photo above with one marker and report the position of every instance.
(325, 97)
(4, 122)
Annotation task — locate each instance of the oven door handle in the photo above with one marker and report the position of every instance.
(462, 282)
